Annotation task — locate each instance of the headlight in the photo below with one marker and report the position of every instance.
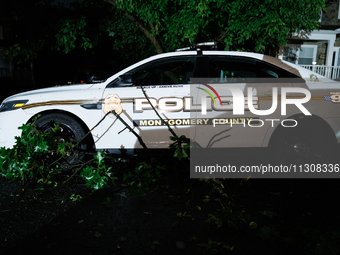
(12, 105)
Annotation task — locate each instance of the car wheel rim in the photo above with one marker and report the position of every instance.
(64, 134)
(301, 149)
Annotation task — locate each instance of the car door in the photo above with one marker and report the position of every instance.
(165, 82)
(230, 78)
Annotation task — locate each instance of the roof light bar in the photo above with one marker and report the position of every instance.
(201, 46)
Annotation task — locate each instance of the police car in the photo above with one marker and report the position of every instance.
(216, 98)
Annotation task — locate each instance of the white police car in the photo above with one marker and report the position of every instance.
(298, 118)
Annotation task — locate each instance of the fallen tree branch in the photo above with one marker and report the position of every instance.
(165, 122)
(140, 140)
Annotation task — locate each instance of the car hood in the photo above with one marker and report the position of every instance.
(69, 91)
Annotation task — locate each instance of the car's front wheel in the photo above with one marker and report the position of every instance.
(66, 131)
(303, 144)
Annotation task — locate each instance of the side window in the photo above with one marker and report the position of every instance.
(227, 68)
(175, 70)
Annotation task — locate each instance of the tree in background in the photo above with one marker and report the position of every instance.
(239, 25)
(135, 29)
(30, 25)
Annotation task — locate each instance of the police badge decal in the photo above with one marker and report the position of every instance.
(112, 103)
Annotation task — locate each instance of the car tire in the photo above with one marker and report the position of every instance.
(71, 130)
(302, 145)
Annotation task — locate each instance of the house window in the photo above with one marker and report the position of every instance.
(303, 55)
(290, 54)
(307, 55)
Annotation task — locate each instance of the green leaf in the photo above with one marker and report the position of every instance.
(100, 157)
(41, 147)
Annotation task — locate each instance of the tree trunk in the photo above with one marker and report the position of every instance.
(153, 38)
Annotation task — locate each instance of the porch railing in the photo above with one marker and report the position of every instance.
(331, 72)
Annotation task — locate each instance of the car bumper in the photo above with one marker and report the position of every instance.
(9, 123)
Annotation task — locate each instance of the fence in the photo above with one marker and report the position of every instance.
(331, 72)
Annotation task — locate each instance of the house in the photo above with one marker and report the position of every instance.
(319, 50)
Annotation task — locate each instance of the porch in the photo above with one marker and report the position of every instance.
(331, 72)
